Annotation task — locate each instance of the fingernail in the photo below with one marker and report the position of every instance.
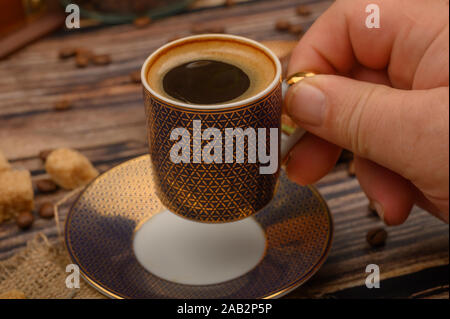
(307, 104)
(379, 209)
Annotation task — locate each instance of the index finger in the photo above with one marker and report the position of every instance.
(339, 41)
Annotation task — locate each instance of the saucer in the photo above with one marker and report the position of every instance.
(119, 211)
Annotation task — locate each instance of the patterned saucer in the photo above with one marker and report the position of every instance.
(101, 225)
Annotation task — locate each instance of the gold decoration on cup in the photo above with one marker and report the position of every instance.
(299, 76)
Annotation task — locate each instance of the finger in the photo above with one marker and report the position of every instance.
(361, 73)
(397, 46)
(311, 159)
(392, 195)
(427, 205)
(375, 180)
(389, 126)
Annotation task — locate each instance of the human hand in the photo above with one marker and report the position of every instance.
(383, 94)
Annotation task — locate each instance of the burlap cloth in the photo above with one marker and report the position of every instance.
(39, 270)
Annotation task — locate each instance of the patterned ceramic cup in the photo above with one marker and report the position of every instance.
(216, 163)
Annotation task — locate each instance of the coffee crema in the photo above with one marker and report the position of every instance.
(206, 82)
(233, 57)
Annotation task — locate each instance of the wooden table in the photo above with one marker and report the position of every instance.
(107, 124)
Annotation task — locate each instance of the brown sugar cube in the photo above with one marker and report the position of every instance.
(4, 165)
(16, 193)
(13, 294)
(69, 169)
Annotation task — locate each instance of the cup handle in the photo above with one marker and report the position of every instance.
(288, 141)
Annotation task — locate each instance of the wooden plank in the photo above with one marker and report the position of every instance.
(202, 4)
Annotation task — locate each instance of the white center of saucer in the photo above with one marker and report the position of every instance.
(193, 253)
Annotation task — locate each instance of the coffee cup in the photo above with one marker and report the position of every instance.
(213, 108)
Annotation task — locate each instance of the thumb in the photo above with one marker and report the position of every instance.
(389, 126)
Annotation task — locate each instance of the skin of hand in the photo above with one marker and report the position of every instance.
(382, 93)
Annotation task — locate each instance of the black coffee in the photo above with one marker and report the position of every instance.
(206, 82)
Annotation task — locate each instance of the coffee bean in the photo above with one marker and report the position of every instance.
(376, 237)
(101, 59)
(303, 10)
(46, 186)
(24, 220)
(351, 168)
(135, 76)
(142, 22)
(282, 25)
(47, 210)
(44, 154)
(229, 3)
(199, 29)
(66, 53)
(62, 105)
(82, 60)
(296, 29)
(83, 51)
